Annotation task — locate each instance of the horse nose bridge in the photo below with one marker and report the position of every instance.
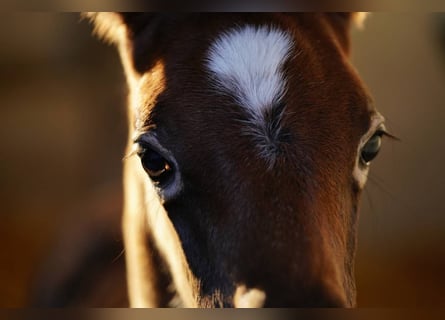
(291, 246)
(294, 266)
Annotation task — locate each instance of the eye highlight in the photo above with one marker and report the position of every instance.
(371, 148)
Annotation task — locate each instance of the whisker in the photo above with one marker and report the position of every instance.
(119, 255)
(380, 184)
(130, 154)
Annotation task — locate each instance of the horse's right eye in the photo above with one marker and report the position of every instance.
(157, 167)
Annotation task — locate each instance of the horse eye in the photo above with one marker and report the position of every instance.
(157, 167)
(371, 148)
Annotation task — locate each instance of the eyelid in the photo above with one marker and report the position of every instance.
(142, 141)
(379, 120)
(148, 140)
(139, 146)
(380, 131)
(376, 125)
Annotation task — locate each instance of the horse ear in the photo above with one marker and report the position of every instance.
(342, 22)
(138, 32)
(350, 19)
(111, 26)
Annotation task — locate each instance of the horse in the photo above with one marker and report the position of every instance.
(249, 144)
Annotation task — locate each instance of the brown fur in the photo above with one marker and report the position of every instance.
(289, 231)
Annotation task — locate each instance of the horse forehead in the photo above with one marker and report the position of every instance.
(247, 63)
(255, 66)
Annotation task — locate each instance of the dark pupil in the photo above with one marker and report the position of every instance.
(371, 148)
(154, 164)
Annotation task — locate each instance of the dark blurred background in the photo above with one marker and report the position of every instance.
(62, 135)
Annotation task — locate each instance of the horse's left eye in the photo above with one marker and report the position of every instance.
(156, 166)
(371, 148)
